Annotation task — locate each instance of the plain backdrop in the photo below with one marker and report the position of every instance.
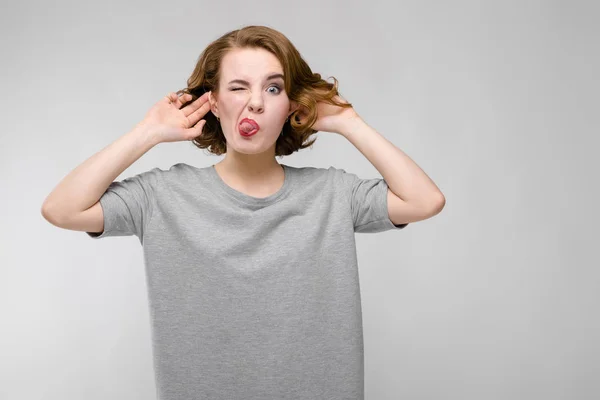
(496, 297)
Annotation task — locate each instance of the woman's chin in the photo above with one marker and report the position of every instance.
(251, 147)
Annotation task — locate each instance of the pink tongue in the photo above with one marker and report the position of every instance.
(246, 127)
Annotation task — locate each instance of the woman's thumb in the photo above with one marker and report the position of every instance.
(197, 130)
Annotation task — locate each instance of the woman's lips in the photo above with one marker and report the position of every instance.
(248, 127)
(251, 133)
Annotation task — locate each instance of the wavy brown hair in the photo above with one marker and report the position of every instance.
(301, 84)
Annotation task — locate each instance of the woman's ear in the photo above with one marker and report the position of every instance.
(293, 107)
(213, 104)
(302, 112)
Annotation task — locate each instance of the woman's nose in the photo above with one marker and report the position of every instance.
(255, 104)
(255, 108)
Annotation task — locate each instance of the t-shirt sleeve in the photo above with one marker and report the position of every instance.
(127, 205)
(368, 203)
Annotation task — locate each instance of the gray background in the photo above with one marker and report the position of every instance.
(495, 298)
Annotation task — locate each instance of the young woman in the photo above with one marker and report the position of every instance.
(251, 265)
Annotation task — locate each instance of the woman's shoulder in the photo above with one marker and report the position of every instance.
(180, 169)
(322, 176)
(166, 176)
(313, 171)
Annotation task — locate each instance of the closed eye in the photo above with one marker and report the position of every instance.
(275, 86)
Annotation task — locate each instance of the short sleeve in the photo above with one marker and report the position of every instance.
(127, 205)
(368, 203)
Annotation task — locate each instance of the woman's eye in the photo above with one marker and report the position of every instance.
(274, 86)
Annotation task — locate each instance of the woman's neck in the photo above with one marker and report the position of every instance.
(251, 175)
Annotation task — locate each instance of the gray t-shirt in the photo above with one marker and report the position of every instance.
(251, 298)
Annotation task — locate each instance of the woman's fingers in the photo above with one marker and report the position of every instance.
(197, 105)
(179, 100)
(201, 109)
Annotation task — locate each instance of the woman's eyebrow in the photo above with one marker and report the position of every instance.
(270, 77)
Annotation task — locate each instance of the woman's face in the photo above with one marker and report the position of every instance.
(251, 86)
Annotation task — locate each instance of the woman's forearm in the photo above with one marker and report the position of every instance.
(85, 184)
(404, 177)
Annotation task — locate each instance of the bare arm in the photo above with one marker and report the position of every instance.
(81, 189)
(74, 202)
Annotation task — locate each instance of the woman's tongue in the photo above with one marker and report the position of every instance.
(247, 127)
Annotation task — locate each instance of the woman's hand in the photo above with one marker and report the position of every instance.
(332, 118)
(171, 123)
